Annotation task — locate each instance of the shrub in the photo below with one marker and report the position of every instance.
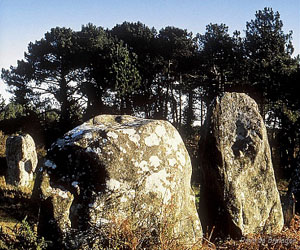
(21, 237)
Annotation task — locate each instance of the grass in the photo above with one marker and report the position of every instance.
(7, 222)
(122, 234)
(136, 230)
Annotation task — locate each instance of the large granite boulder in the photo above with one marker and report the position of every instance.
(126, 167)
(238, 193)
(21, 158)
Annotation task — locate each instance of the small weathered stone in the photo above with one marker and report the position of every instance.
(129, 168)
(21, 160)
(56, 203)
(238, 183)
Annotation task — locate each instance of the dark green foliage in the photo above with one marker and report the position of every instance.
(69, 73)
(2, 103)
(11, 111)
(268, 51)
(219, 53)
(107, 68)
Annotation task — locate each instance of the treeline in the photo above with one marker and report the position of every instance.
(69, 76)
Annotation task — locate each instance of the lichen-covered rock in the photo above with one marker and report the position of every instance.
(60, 199)
(238, 182)
(21, 160)
(128, 167)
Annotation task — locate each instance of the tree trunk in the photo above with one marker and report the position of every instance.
(65, 105)
(190, 110)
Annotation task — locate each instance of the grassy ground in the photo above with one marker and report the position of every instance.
(288, 239)
(7, 222)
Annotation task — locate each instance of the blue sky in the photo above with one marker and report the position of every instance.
(23, 21)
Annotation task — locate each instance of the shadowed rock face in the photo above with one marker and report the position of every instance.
(238, 185)
(21, 160)
(121, 165)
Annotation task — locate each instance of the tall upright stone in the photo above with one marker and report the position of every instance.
(21, 158)
(238, 192)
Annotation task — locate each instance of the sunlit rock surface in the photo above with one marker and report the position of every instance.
(124, 166)
(21, 160)
(238, 193)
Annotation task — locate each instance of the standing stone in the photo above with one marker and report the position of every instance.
(129, 168)
(238, 189)
(21, 160)
(55, 206)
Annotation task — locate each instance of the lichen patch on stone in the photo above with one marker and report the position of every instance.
(158, 183)
(123, 150)
(152, 140)
(172, 162)
(112, 135)
(180, 157)
(143, 166)
(154, 161)
(113, 184)
(174, 141)
(160, 130)
(96, 150)
(132, 135)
